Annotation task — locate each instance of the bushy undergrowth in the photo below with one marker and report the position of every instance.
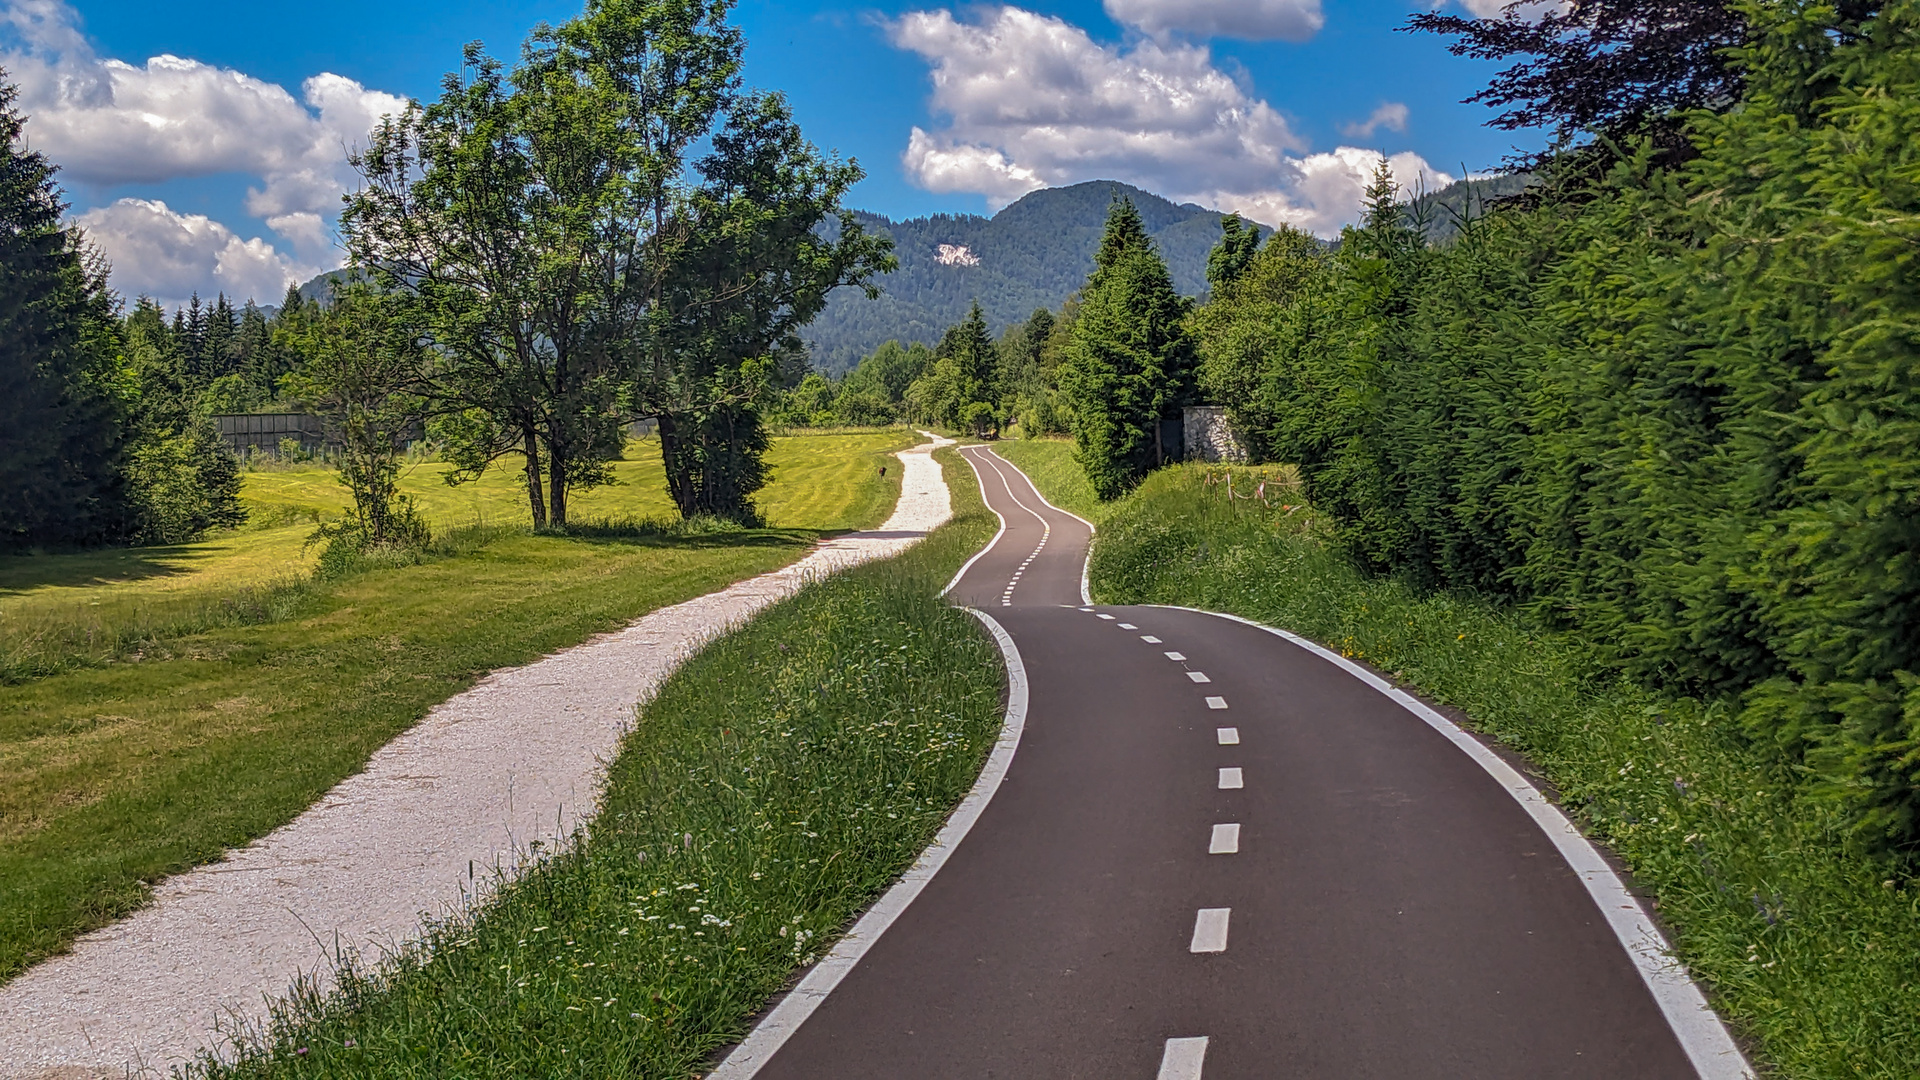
(1671, 405)
(1806, 947)
(776, 784)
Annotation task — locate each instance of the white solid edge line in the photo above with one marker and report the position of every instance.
(1086, 594)
(968, 565)
(778, 1026)
(1183, 1059)
(1702, 1035)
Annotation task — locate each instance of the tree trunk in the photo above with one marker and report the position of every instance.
(557, 488)
(530, 445)
(678, 487)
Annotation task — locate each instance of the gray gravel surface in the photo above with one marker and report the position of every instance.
(509, 766)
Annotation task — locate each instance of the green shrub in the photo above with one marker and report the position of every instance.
(1674, 408)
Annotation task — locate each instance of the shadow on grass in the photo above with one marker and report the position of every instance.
(744, 538)
(693, 533)
(25, 572)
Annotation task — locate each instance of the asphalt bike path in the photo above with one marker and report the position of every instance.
(1217, 853)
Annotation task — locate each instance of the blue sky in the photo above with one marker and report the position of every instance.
(219, 172)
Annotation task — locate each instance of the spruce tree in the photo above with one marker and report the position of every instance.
(1239, 242)
(975, 379)
(59, 431)
(1130, 361)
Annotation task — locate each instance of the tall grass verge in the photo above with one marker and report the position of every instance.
(777, 783)
(42, 643)
(1808, 948)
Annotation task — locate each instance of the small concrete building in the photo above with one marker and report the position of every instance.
(1208, 435)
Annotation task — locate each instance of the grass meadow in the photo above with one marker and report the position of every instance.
(775, 786)
(1810, 950)
(158, 707)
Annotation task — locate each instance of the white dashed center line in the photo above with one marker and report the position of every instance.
(1198, 676)
(1210, 930)
(1230, 780)
(1216, 703)
(1228, 736)
(1226, 840)
(1126, 626)
(1102, 615)
(1086, 609)
(1176, 656)
(1150, 639)
(1183, 1059)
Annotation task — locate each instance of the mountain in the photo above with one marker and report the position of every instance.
(1031, 254)
(1439, 213)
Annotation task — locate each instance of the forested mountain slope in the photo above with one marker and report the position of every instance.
(1031, 254)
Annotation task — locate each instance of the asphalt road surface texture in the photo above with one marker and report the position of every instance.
(1216, 854)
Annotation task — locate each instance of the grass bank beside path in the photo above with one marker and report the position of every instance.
(116, 774)
(1808, 949)
(778, 783)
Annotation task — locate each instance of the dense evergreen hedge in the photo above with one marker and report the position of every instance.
(1676, 408)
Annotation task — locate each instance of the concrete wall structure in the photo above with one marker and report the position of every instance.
(1209, 437)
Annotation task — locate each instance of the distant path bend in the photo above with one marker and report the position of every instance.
(515, 760)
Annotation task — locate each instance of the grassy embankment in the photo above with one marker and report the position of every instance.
(158, 741)
(1809, 950)
(776, 785)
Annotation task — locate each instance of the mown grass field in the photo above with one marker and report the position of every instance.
(1807, 947)
(124, 766)
(778, 783)
(829, 481)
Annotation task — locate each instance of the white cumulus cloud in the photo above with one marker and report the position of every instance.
(109, 123)
(1249, 20)
(1392, 116)
(1528, 9)
(1032, 101)
(167, 255)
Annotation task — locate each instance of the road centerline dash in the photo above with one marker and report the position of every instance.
(1183, 1059)
(1228, 736)
(1231, 779)
(1225, 840)
(1210, 930)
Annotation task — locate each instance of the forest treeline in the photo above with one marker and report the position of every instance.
(1112, 367)
(105, 429)
(611, 228)
(1670, 398)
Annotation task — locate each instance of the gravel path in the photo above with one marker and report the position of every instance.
(512, 762)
